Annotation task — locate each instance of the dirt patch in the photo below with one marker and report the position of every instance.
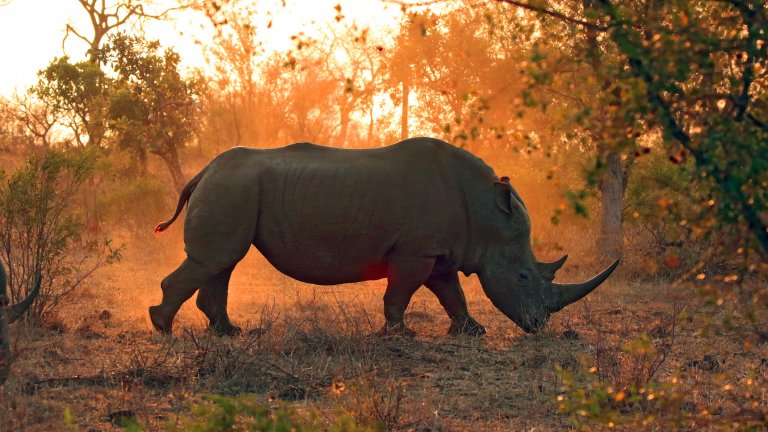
(314, 347)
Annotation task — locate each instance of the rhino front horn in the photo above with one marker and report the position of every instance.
(566, 294)
(8, 315)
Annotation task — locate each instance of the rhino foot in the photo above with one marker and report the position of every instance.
(226, 330)
(160, 323)
(396, 329)
(468, 327)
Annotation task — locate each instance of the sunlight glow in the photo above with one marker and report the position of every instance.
(32, 31)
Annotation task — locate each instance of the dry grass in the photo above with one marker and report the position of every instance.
(312, 347)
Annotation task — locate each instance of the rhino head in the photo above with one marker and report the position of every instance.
(9, 314)
(516, 283)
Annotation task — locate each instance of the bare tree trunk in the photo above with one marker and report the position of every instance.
(613, 180)
(370, 125)
(404, 114)
(344, 118)
(90, 198)
(236, 121)
(141, 159)
(171, 159)
(610, 240)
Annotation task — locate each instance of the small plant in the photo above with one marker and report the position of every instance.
(624, 387)
(245, 413)
(629, 392)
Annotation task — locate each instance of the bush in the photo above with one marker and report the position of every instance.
(629, 386)
(136, 206)
(41, 222)
(244, 413)
(663, 218)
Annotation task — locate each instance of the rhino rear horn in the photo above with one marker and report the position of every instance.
(16, 311)
(5, 349)
(5, 346)
(8, 315)
(548, 270)
(566, 294)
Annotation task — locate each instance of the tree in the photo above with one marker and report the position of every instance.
(696, 70)
(33, 117)
(152, 107)
(235, 84)
(106, 17)
(408, 61)
(75, 95)
(351, 58)
(700, 71)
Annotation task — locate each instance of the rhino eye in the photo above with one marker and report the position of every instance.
(523, 277)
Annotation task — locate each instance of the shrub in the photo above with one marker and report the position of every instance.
(136, 206)
(244, 413)
(624, 388)
(662, 217)
(40, 225)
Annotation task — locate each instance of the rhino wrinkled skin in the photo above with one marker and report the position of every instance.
(416, 213)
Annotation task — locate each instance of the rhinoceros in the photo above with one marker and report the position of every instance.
(416, 213)
(9, 314)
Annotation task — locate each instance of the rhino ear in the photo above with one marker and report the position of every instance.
(508, 201)
(503, 194)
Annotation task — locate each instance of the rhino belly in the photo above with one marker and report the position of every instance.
(328, 261)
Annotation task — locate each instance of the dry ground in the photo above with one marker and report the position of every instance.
(312, 347)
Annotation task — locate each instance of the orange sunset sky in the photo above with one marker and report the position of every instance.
(32, 30)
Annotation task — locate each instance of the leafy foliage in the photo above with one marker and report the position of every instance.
(658, 198)
(244, 413)
(695, 71)
(152, 107)
(650, 402)
(75, 94)
(41, 228)
(698, 69)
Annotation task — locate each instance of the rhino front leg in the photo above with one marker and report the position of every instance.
(448, 290)
(212, 300)
(405, 275)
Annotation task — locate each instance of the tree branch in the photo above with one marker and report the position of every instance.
(620, 35)
(761, 124)
(748, 75)
(559, 15)
(69, 29)
(653, 93)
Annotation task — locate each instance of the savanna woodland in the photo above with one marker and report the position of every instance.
(626, 129)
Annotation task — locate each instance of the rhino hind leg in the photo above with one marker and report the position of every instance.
(405, 275)
(448, 291)
(212, 300)
(177, 287)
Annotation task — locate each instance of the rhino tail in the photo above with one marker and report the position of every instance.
(186, 193)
